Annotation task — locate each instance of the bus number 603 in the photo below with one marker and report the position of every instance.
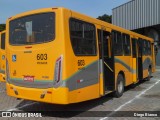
(41, 56)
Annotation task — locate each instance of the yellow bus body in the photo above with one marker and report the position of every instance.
(70, 90)
(2, 60)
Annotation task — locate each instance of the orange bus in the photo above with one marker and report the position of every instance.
(2, 56)
(59, 56)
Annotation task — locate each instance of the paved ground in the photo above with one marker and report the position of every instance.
(144, 97)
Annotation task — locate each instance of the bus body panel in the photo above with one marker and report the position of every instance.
(28, 70)
(83, 69)
(124, 64)
(28, 93)
(2, 59)
(40, 57)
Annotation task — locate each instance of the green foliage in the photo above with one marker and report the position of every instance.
(106, 18)
(2, 27)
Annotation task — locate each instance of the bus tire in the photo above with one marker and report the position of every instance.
(119, 86)
(149, 74)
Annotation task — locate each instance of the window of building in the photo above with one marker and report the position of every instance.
(117, 37)
(126, 45)
(83, 38)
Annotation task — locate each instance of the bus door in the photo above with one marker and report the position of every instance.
(154, 51)
(140, 59)
(135, 60)
(107, 57)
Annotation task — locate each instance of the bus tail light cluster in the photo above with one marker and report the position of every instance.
(58, 72)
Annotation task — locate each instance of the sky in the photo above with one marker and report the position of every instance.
(93, 8)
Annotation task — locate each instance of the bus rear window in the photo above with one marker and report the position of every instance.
(32, 29)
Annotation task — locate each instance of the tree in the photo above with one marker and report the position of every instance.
(2, 27)
(106, 18)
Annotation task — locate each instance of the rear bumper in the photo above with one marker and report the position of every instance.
(50, 95)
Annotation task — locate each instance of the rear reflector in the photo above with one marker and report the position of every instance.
(28, 47)
(49, 92)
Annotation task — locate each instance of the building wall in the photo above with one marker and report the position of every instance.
(137, 14)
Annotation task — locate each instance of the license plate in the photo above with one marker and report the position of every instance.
(28, 78)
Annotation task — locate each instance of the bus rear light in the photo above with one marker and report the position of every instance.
(28, 47)
(49, 92)
(58, 72)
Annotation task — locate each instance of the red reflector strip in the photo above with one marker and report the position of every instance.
(49, 92)
(79, 81)
(58, 59)
(28, 47)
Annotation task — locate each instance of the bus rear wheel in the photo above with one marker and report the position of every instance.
(119, 86)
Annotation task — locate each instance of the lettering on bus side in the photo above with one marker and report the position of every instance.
(41, 58)
(81, 64)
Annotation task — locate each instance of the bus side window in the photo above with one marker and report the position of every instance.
(126, 45)
(149, 48)
(99, 43)
(83, 38)
(145, 47)
(118, 48)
